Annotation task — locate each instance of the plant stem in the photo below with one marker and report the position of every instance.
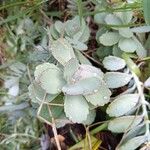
(124, 8)
(99, 128)
(143, 102)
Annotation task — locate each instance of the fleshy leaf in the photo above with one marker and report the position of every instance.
(121, 124)
(83, 35)
(100, 32)
(141, 29)
(59, 26)
(87, 71)
(112, 19)
(82, 59)
(125, 16)
(73, 26)
(141, 51)
(99, 18)
(62, 51)
(122, 105)
(76, 108)
(37, 94)
(99, 97)
(127, 45)
(133, 143)
(113, 63)
(125, 32)
(70, 68)
(52, 81)
(41, 68)
(85, 86)
(109, 38)
(117, 79)
(54, 32)
(77, 44)
(90, 118)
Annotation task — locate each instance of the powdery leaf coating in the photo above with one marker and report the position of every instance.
(76, 108)
(125, 32)
(70, 68)
(127, 45)
(141, 51)
(41, 68)
(117, 79)
(109, 38)
(113, 63)
(59, 26)
(52, 81)
(87, 71)
(113, 20)
(125, 16)
(85, 86)
(100, 17)
(62, 51)
(101, 96)
(121, 124)
(36, 93)
(122, 105)
(141, 29)
(90, 118)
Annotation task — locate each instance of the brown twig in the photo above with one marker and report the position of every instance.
(54, 129)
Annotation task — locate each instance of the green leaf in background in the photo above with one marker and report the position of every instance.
(76, 108)
(117, 51)
(121, 124)
(109, 38)
(146, 9)
(122, 105)
(117, 79)
(113, 63)
(103, 51)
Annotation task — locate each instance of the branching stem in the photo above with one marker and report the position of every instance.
(143, 102)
